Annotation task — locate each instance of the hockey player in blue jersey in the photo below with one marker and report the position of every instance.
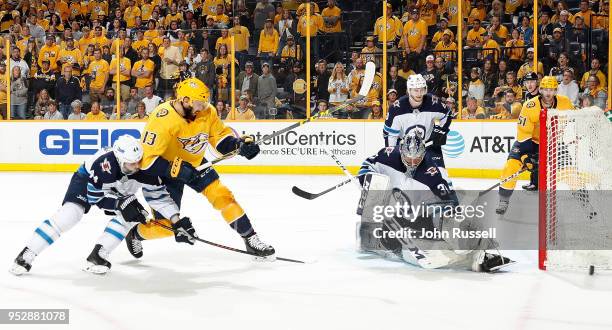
(398, 162)
(401, 175)
(109, 180)
(421, 113)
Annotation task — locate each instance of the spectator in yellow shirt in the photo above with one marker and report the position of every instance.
(393, 28)
(268, 40)
(480, 12)
(242, 112)
(71, 56)
(140, 42)
(143, 71)
(595, 71)
(50, 51)
(415, 32)
(173, 15)
(223, 39)
(130, 14)
(141, 112)
(446, 47)
(98, 71)
(124, 76)
(515, 50)
(473, 110)
(146, 10)
(499, 32)
(221, 19)
(95, 114)
(331, 18)
(99, 39)
(475, 36)
(442, 29)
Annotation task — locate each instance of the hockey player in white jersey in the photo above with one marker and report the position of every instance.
(397, 175)
(420, 112)
(109, 180)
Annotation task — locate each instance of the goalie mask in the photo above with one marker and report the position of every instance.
(412, 151)
(417, 88)
(128, 151)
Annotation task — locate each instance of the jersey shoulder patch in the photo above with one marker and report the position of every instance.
(162, 112)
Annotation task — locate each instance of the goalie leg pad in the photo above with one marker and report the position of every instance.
(374, 193)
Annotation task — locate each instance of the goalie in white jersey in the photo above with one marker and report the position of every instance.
(396, 176)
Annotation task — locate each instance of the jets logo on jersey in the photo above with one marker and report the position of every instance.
(432, 171)
(389, 150)
(416, 130)
(106, 166)
(194, 144)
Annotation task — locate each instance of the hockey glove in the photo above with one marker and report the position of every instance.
(184, 232)
(131, 210)
(182, 171)
(247, 147)
(531, 162)
(438, 135)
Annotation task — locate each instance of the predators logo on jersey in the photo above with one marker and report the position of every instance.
(194, 144)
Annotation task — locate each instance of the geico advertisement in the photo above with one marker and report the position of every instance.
(482, 145)
(71, 143)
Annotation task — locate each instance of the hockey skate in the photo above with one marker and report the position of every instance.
(261, 250)
(530, 187)
(23, 262)
(489, 262)
(134, 245)
(96, 262)
(502, 207)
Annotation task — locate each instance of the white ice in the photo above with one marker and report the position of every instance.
(202, 287)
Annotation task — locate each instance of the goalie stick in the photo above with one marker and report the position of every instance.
(223, 246)
(368, 79)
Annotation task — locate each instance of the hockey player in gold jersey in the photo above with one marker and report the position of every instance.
(174, 141)
(524, 152)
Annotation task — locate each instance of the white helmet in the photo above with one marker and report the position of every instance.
(127, 149)
(416, 81)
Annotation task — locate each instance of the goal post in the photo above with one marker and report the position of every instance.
(575, 182)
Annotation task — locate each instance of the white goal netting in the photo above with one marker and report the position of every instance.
(578, 200)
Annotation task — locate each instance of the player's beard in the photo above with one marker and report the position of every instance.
(188, 112)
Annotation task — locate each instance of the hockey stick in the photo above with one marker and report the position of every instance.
(307, 195)
(223, 246)
(368, 79)
(510, 178)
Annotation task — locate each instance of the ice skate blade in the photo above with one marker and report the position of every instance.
(271, 258)
(498, 268)
(95, 269)
(17, 270)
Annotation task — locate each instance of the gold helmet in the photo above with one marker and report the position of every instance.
(549, 82)
(194, 89)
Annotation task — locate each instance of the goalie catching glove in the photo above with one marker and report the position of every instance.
(184, 232)
(130, 209)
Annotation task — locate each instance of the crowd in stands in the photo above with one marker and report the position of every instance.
(118, 59)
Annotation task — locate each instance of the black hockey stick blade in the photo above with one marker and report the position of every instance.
(226, 247)
(309, 196)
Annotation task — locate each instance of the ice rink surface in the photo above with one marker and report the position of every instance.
(202, 287)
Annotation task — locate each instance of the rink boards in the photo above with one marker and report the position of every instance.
(473, 149)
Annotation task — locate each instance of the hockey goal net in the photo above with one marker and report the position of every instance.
(575, 181)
